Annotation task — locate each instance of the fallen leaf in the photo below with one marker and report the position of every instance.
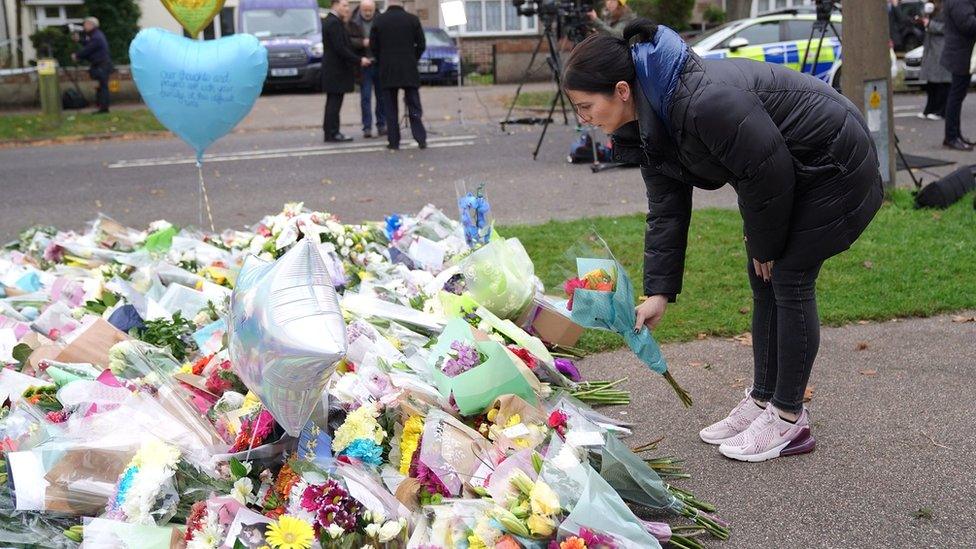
(960, 318)
(863, 322)
(744, 339)
(739, 383)
(862, 346)
(869, 372)
(936, 215)
(696, 364)
(808, 394)
(868, 264)
(364, 200)
(744, 310)
(702, 335)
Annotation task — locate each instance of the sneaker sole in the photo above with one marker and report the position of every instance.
(803, 444)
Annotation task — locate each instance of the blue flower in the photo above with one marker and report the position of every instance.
(393, 222)
(124, 484)
(365, 450)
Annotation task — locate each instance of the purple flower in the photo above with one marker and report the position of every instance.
(568, 369)
(460, 359)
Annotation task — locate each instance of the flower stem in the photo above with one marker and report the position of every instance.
(682, 394)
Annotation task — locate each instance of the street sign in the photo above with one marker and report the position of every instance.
(876, 109)
(47, 67)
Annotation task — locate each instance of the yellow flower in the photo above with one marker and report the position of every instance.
(186, 369)
(513, 420)
(474, 542)
(540, 525)
(543, 500)
(492, 414)
(360, 423)
(251, 402)
(290, 533)
(410, 441)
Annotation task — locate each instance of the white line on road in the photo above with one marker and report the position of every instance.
(907, 107)
(297, 152)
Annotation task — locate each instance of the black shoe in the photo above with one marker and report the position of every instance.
(338, 138)
(367, 134)
(393, 147)
(957, 145)
(422, 145)
(381, 131)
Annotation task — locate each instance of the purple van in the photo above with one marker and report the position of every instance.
(292, 32)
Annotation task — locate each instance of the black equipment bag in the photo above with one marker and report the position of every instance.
(73, 98)
(946, 191)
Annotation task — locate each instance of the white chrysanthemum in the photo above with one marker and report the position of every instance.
(389, 531)
(335, 531)
(243, 491)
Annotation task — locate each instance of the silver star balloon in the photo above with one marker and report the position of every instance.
(286, 332)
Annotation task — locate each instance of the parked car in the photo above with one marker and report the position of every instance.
(780, 37)
(441, 60)
(913, 66)
(292, 32)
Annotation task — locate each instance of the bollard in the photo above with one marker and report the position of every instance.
(50, 88)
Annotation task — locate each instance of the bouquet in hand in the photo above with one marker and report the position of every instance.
(602, 296)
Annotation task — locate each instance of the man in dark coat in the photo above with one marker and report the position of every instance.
(960, 36)
(94, 49)
(338, 68)
(359, 27)
(397, 40)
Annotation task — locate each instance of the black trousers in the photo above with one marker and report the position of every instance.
(937, 93)
(101, 73)
(785, 335)
(411, 97)
(953, 116)
(333, 104)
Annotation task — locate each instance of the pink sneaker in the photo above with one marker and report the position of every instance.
(738, 420)
(770, 436)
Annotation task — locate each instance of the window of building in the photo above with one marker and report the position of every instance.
(492, 17)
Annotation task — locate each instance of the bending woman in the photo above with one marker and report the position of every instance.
(805, 170)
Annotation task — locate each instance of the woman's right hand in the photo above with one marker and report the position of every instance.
(650, 312)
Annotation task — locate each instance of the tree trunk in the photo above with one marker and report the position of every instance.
(737, 9)
(18, 41)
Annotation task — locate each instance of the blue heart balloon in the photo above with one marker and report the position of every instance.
(199, 90)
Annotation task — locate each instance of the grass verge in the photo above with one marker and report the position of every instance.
(907, 263)
(26, 127)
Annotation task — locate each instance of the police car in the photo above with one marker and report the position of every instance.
(780, 37)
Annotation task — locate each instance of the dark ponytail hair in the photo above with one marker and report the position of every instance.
(599, 62)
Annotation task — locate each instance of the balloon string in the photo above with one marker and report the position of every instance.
(206, 199)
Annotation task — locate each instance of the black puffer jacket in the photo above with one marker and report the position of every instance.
(798, 154)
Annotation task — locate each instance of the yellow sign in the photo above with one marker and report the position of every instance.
(875, 100)
(47, 67)
(114, 85)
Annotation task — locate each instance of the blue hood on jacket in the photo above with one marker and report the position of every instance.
(658, 64)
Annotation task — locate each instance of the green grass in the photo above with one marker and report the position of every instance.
(479, 79)
(908, 263)
(20, 127)
(533, 99)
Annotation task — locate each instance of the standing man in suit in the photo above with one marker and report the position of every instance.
(338, 68)
(960, 37)
(397, 40)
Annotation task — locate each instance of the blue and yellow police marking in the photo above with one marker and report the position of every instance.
(790, 54)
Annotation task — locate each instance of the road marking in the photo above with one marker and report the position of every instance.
(907, 107)
(294, 152)
(906, 114)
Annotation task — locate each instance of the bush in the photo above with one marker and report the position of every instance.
(119, 20)
(714, 15)
(54, 42)
(673, 13)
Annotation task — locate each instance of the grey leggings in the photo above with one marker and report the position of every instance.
(785, 334)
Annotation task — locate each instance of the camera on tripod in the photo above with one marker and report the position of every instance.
(571, 17)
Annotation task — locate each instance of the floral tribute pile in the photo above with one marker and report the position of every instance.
(448, 424)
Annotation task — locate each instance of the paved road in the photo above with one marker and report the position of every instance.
(893, 427)
(258, 169)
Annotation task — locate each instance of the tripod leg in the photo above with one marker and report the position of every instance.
(525, 77)
(545, 126)
(806, 51)
(915, 180)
